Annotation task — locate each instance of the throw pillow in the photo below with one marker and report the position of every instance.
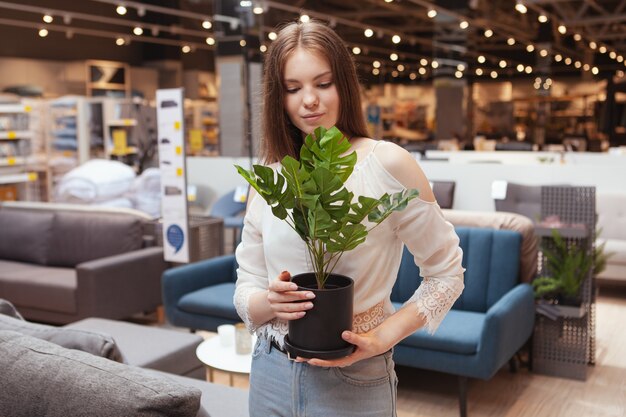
(95, 343)
(42, 379)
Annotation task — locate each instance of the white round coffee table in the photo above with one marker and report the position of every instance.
(224, 358)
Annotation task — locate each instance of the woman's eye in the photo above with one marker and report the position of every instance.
(325, 85)
(292, 90)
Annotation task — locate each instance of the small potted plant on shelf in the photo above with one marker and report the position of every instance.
(309, 194)
(567, 267)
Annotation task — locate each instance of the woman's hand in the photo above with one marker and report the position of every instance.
(286, 302)
(367, 345)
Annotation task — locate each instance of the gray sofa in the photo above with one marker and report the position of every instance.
(611, 209)
(69, 371)
(59, 264)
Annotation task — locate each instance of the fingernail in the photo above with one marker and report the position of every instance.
(301, 313)
(293, 287)
(308, 305)
(310, 295)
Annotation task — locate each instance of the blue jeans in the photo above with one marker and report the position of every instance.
(283, 388)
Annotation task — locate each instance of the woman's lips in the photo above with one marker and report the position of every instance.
(312, 118)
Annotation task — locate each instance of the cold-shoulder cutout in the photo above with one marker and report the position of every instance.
(402, 166)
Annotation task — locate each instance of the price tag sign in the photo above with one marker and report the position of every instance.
(120, 142)
(11, 161)
(11, 135)
(28, 109)
(32, 176)
(195, 140)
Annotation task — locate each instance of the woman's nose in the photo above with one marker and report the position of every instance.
(310, 99)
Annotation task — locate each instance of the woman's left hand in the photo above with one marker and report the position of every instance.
(367, 346)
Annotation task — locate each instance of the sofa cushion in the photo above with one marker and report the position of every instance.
(41, 378)
(32, 229)
(79, 236)
(95, 343)
(8, 309)
(170, 350)
(216, 300)
(47, 288)
(459, 333)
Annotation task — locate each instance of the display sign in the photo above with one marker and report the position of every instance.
(173, 174)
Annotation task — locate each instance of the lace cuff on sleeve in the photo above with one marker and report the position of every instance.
(242, 303)
(435, 297)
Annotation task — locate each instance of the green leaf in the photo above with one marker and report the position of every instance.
(324, 149)
(390, 203)
(361, 209)
(348, 238)
(319, 223)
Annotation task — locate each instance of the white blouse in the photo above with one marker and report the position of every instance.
(269, 246)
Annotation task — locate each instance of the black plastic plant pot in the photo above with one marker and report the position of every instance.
(318, 333)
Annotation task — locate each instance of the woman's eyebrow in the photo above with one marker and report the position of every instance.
(315, 78)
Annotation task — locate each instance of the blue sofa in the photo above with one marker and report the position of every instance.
(488, 324)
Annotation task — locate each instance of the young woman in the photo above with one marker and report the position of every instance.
(310, 81)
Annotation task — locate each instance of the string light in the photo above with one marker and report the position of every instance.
(400, 67)
(488, 33)
(186, 49)
(510, 41)
(412, 76)
(393, 56)
(521, 7)
(502, 63)
(304, 18)
(602, 49)
(530, 48)
(520, 68)
(562, 29)
(464, 24)
(479, 71)
(120, 41)
(138, 31)
(543, 53)
(434, 64)
(395, 39)
(577, 37)
(558, 58)
(542, 18)
(422, 71)
(257, 10)
(121, 10)
(207, 24)
(481, 59)
(272, 36)
(458, 74)
(593, 45)
(47, 18)
(432, 13)
(376, 64)
(494, 74)
(368, 33)
(595, 70)
(356, 50)
(263, 48)
(210, 41)
(423, 62)
(43, 32)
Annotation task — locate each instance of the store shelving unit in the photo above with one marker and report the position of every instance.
(20, 164)
(564, 345)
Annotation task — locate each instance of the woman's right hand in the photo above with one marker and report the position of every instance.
(286, 301)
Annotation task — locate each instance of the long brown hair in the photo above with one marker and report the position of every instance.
(280, 136)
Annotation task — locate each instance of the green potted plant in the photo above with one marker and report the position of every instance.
(309, 194)
(567, 266)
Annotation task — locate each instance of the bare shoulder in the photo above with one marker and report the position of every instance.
(404, 168)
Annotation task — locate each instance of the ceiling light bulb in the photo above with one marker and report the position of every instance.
(620, 58)
(393, 57)
(434, 64)
(528, 69)
(502, 63)
(520, 68)
(47, 18)
(423, 62)
(612, 54)
(304, 18)
(578, 64)
(422, 70)
(568, 61)
(479, 71)
(138, 31)
(558, 58)
(458, 74)
(368, 33)
(413, 75)
(488, 33)
(542, 18)
(257, 10)
(510, 41)
(43, 32)
(460, 67)
(464, 24)
(356, 50)
(121, 10)
(394, 73)
(210, 41)
(376, 64)
(595, 70)
(242, 43)
(207, 24)
(263, 48)
(530, 48)
(562, 29)
(602, 49)
(186, 49)
(577, 37)
(494, 74)
(120, 41)
(395, 39)
(400, 67)
(432, 13)
(593, 45)
(375, 71)
(586, 67)
(520, 7)
(481, 59)
(272, 36)
(543, 53)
